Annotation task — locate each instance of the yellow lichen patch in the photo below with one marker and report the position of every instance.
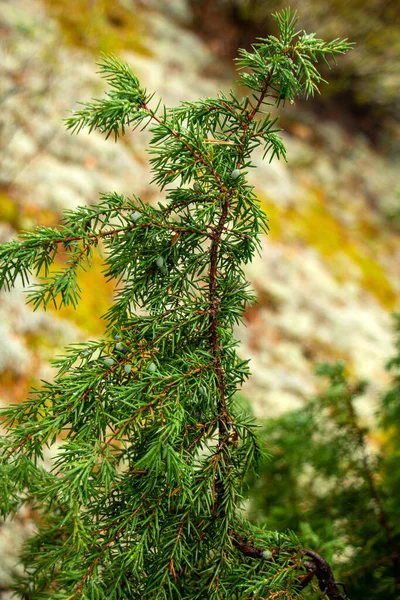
(102, 26)
(373, 277)
(96, 298)
(23, 214)
(8, 209)
(348, 251)
(312, 223)
(275, 222)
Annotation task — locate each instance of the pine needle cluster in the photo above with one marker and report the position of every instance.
(144, 496)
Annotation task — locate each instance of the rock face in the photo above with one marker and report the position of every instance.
(328, 274)
(305, 316)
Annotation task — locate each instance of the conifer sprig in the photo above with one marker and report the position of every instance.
(352, 471)
(143, 498)
(288, 63)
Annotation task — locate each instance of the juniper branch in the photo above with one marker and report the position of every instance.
(154, 448)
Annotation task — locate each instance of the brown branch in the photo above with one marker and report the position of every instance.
(245, 548)
(15, 448)
(223, 416)
(252, 114)
(316, 566)
(124, 425)
(199, 158)
(319, 567)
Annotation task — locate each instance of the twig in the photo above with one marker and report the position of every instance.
(317, 566)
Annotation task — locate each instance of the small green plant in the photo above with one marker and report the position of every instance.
(144, 496)
(337, 493)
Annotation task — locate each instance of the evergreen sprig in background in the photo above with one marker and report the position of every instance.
(151, 450)
(330, 485)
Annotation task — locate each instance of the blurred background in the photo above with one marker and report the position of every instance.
(328, 278)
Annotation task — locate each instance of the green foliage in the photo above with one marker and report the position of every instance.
(390, 422)
(290, 61)
(366, 83)
(125, 105)
(326, 483)
(150, 450)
